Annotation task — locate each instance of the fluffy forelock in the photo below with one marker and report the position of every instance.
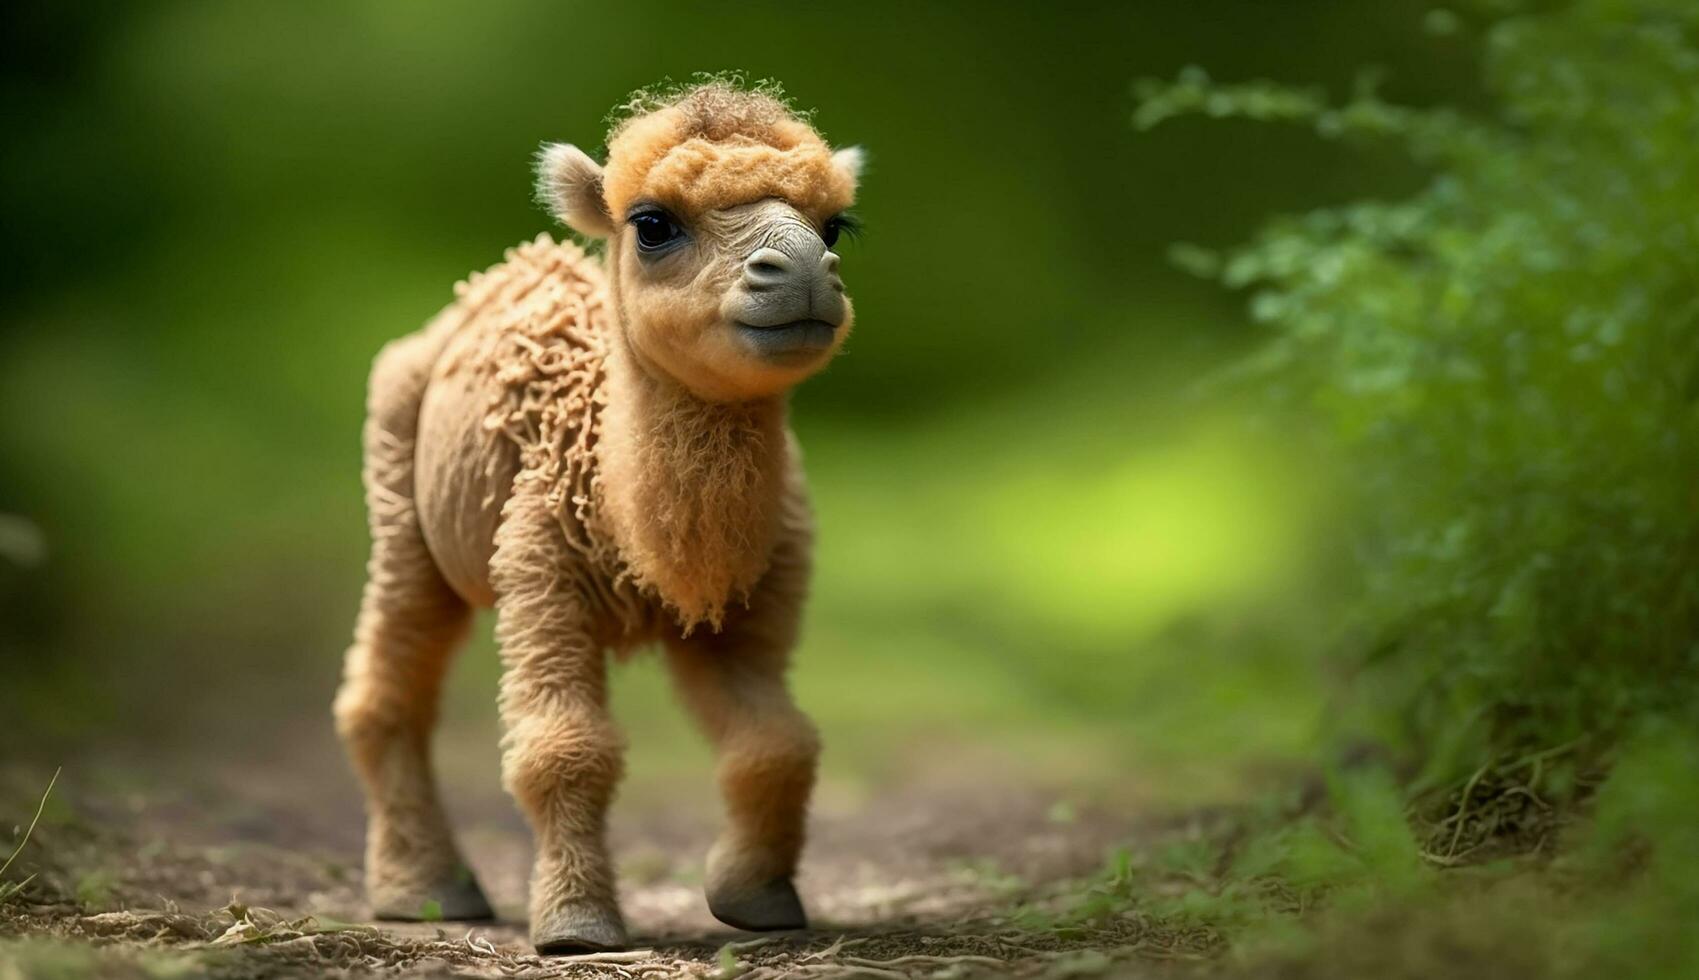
(717, 145)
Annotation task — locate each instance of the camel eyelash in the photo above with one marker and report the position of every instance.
(846, 223)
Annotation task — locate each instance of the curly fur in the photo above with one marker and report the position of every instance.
(665, 499)
(717, 144)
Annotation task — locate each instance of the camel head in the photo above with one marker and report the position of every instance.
(721, 209)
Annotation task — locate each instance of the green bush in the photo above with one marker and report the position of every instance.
(1508, 359)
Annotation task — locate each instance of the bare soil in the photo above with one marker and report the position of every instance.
(253, 869)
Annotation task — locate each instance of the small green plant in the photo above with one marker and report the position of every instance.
(727, 964)
(8, 889)
(93, 888)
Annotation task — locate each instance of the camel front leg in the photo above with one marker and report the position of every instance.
(734, 683)
(561, 754)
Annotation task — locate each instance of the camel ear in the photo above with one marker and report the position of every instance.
(569, 184)
(849, 161)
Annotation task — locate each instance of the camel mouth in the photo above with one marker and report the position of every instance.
(795, 340)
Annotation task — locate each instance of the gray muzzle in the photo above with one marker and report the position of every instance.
(792, 279)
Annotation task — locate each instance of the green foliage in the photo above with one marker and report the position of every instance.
(1645, 823)
(1247, 877)
(1508, 358)
(1363, 848)
(1296, 895)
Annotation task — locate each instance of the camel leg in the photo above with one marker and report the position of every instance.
(561, 755)
(734, 683)
(410, 622)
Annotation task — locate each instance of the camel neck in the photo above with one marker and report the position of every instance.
(691, 490)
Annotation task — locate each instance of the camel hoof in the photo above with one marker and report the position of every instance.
(764, 908)
(458, 899)
(577, 927)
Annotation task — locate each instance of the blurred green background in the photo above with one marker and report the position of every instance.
(1042, 535)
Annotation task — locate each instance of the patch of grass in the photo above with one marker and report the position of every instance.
(988, 875)
(1607, 889)
(42, 957)
(1259, 870)
(93, 888)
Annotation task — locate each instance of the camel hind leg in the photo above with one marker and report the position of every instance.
(410, 623)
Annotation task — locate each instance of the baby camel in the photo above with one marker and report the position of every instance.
(600, 451)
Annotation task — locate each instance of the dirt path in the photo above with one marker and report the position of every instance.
(255, 872)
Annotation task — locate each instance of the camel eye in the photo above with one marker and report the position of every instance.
(839, 224)
(655, 230)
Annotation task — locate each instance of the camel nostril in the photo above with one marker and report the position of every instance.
(767, 267)
(829, 272)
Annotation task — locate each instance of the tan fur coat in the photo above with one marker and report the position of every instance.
(671, 507)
